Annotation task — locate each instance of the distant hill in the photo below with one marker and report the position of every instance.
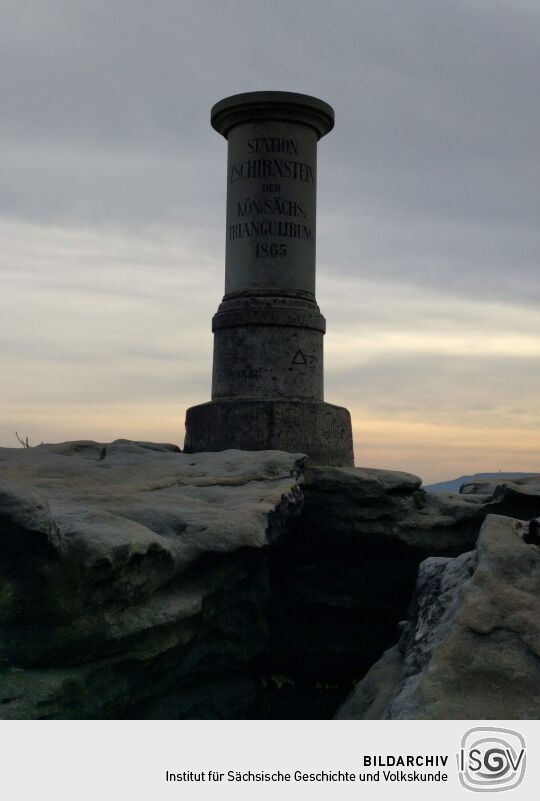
(454, 484)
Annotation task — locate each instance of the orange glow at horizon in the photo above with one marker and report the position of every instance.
(107, 336)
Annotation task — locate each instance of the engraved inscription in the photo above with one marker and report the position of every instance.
(271, 168)
(273, 205)
(270, 228)
(272, 249)
(271, 210)
(250, 373)
(304, 360)
(272, 144)
(299, 358)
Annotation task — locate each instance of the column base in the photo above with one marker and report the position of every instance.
(320, 430)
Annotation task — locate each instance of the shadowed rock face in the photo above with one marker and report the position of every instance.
(137, 581)
(471, 647)
(344, 575)
(128, 570)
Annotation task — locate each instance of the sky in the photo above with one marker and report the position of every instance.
(112, 216)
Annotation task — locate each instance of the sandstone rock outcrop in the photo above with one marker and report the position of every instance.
(471, 648)
(125, 572)
(137, 581)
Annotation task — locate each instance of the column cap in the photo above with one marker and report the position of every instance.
(282, 106)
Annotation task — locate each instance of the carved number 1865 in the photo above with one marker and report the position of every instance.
(273, 249)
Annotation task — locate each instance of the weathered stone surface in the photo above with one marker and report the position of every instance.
(136, 581)
(471, 648)
(267, 380)
(365, 502)
(119, 561)
(320, 429)
(154, 563)
(526, 484)
(350, 564)
(345, 578)
(372, 695)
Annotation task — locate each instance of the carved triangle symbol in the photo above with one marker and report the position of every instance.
(299, 358)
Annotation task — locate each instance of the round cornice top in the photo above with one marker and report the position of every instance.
(281, 106)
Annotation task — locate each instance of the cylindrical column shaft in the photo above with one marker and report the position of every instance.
(268, 332)
(271, 206)
(267, 381)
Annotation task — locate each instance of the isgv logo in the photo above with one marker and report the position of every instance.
(491, 759)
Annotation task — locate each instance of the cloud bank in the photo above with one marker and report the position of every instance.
(112, 205)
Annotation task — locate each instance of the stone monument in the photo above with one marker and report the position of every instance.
(267, 383)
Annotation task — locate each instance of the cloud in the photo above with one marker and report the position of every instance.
(107, 334)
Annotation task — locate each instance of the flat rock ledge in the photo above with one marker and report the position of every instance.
(111, 555)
